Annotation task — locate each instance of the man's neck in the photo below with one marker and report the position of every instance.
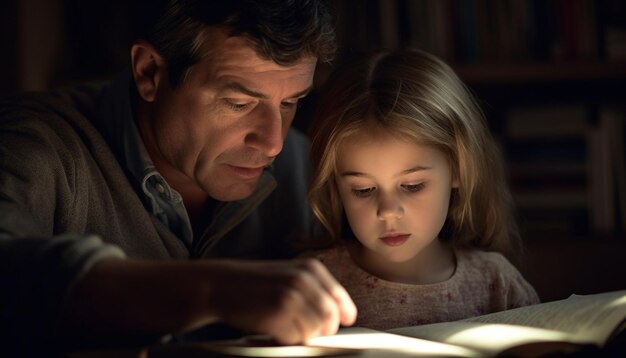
(194, 197)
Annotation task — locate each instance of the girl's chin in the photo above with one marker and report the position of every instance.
(398, 258)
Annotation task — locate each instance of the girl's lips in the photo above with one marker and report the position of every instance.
(395, 240)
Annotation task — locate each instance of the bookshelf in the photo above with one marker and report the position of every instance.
(550, 76)
(518, 56)
(90, 45)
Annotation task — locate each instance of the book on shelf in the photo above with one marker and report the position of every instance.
(560, 224)
(388, 23)
(547, 121)
(569, 156)
(619, 148)
(601, 193)
(613, 13)
(613, 125)
(580, 323)
(607, 170)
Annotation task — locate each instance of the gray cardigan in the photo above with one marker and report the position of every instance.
(66, 202)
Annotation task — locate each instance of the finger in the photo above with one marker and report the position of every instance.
(298, 320)
(290, 334)
(347, 308)
(320, 303)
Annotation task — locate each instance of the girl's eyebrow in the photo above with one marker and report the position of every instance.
(404, 172)
(353, 174)
(415, 169)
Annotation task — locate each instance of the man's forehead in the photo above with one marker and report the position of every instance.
(233, 52)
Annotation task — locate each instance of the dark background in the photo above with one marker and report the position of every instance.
(550, 76)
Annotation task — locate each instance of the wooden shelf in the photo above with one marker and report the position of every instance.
(507, 74)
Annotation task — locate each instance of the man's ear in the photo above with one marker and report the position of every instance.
(149, 70)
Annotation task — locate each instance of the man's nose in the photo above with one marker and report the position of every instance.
(267, 133)
(389, 207)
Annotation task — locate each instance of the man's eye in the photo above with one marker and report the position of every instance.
(413, 188)
(289, 105)
(363, 193)
(235, 106)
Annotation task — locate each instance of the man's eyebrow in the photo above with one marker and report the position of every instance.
(238, 87)
(404, 172)
(302, 93)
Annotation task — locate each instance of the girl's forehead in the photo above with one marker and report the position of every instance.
(377, 134)
(389, 159)
(384, 145)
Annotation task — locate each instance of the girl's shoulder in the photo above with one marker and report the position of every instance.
(483, 259)
(499, 273)
(479, 263)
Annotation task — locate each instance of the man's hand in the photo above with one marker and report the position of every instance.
(289, 300)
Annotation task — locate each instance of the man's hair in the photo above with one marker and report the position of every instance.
(416, 97)
(283, 31)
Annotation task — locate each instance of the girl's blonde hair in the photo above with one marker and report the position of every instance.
(416, 96)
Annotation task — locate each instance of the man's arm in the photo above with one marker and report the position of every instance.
(289, 300)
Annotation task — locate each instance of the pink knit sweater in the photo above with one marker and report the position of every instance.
(483, 282)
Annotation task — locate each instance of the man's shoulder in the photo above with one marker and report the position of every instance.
(47, 124)
(68, 103)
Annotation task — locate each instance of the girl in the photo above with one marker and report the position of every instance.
(406, 171)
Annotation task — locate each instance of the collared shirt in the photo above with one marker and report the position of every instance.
(158, 196)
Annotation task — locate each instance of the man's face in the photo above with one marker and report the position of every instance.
(228, 119)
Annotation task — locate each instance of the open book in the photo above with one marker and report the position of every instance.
(558, 327)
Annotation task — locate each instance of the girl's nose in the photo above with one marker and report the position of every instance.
(389, 208)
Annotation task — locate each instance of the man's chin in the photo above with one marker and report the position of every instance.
(235, 192)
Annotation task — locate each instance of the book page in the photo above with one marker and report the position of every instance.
(579, 318)
(348, 342)
(584, 317)
(490, 338)
(382, 344)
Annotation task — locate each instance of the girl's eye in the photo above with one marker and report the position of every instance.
(236, 107)
(363, 193)
(413, 188)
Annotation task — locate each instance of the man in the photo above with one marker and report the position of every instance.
(106, 192)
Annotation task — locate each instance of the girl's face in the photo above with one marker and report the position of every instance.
(395, 193)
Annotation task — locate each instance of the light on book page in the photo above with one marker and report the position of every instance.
(618, 302)
(499, 336)
(280, 351)
(368, 339)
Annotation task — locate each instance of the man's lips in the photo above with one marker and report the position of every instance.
(247, 172)
(395, 239)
